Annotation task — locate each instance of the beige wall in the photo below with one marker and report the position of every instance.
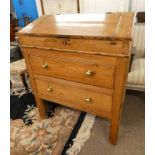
(91, 6)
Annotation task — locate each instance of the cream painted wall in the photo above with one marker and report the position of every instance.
(101, 6)
(138, 5)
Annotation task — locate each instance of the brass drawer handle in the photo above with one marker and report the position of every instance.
(45, 66)
(88, 99)
(49, 89)
(89, 73)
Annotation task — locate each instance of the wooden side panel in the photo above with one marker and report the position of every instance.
(119, 90)
(39, 102)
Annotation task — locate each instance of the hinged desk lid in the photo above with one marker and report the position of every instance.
(110, 26)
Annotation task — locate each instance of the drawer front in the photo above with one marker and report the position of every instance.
(80, 96)
(83, 68)
(74, 44)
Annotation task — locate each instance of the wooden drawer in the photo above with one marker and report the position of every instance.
(80, 96)
(88, 69)
(77, 44)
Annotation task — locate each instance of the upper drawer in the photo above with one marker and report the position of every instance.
(74, 44)
(84, 68)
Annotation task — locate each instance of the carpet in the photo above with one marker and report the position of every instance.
(64, 132)
(131, 137)
(84, 137)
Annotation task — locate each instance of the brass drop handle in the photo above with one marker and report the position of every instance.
(88, 99)
(49, 89)
(45, 66)
(89, 73)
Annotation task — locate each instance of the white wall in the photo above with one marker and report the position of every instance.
(101, 6)
(138, 5)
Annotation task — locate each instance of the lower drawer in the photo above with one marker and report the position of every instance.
(87, 98)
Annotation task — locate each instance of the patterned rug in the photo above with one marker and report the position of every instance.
(35, 136)
(64, 132)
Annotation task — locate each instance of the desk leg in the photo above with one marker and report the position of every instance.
(22, 75)
(118, 97)
(41, 107)
(114, 128)
(39, 101)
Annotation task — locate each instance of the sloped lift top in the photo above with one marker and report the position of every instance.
(110, 26)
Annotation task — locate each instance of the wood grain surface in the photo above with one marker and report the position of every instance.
(114, 26)
(75, 95)
(80, 61)
(74, 67)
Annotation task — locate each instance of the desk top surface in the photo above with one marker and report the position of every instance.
(110, 26)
